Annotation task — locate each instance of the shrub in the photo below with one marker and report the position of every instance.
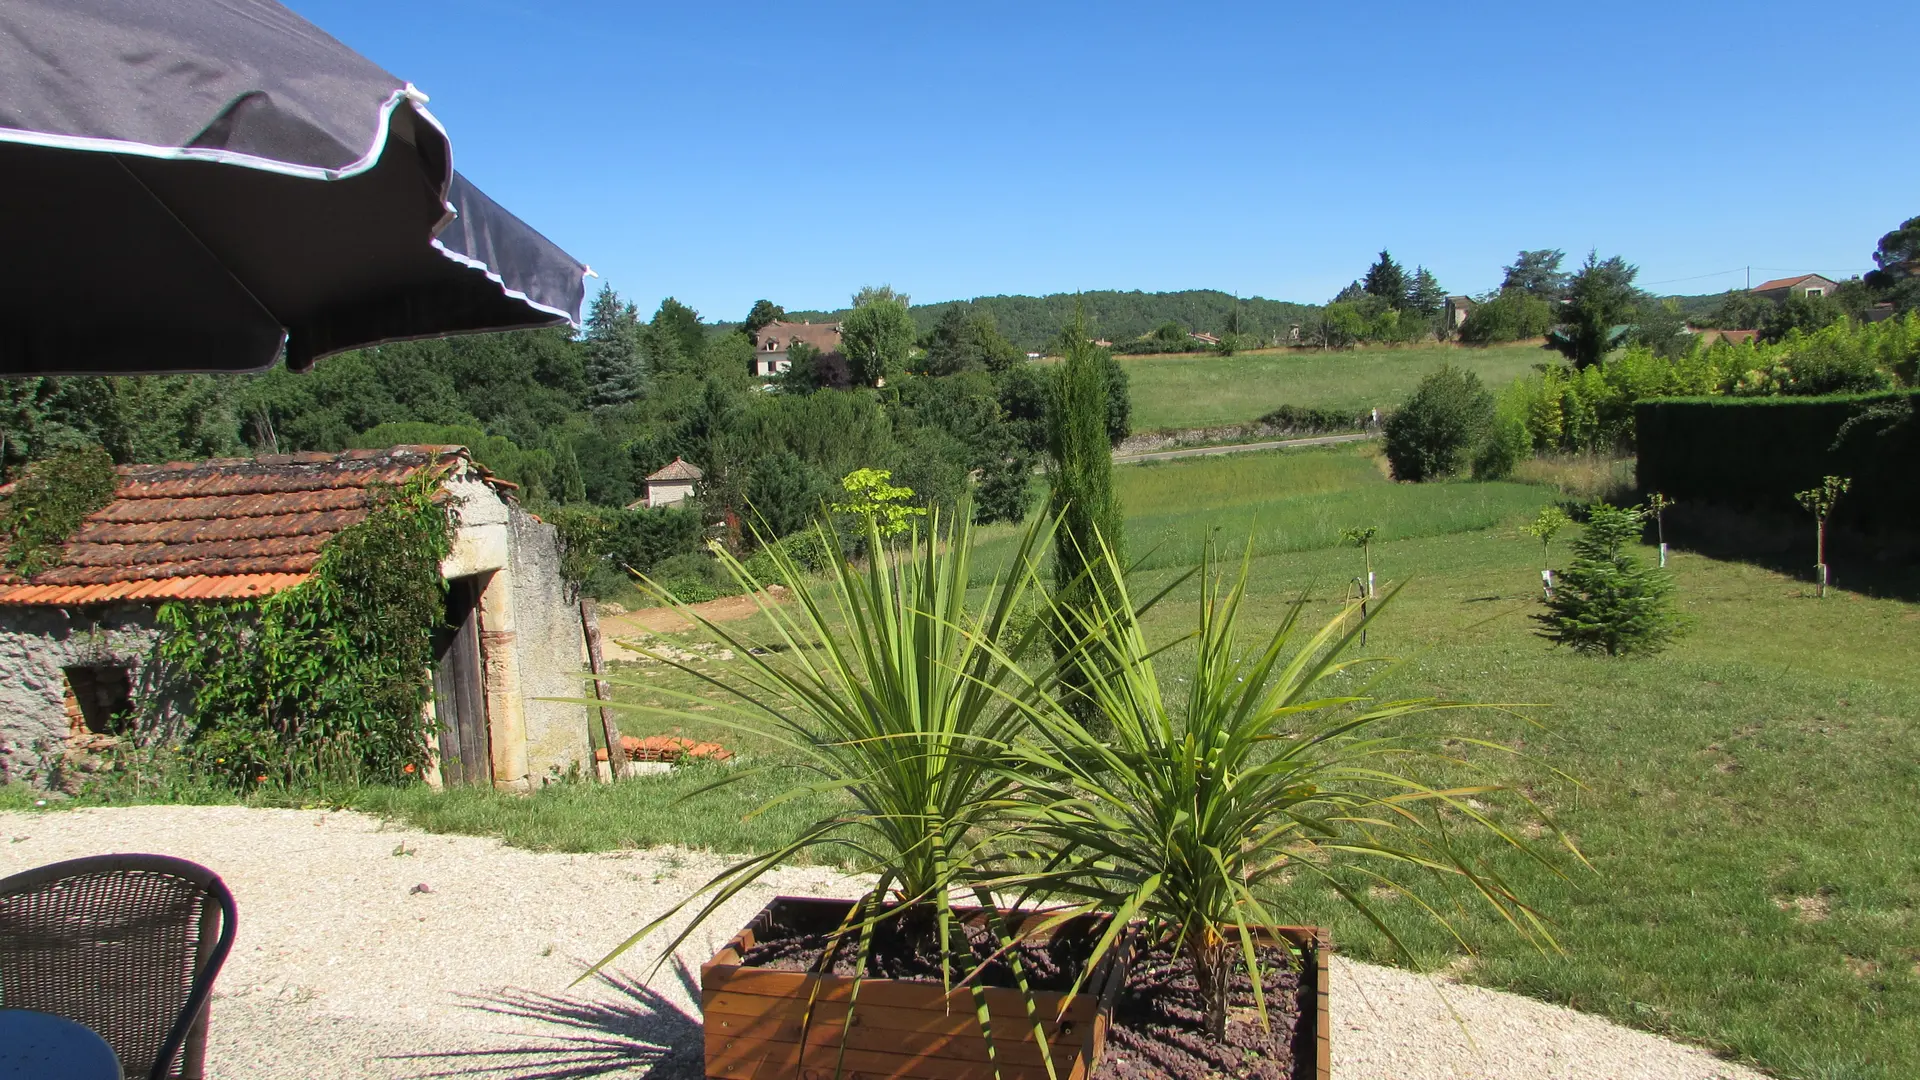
(1511, 316)
(1447, 416)
(1313, 421)
(48, 504)
(693, 578)
(1507, 445)
(1005, 490)
(1607, 600)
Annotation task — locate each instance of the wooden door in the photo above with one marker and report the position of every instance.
(459, 690)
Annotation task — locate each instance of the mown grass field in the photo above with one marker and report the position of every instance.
(1745, 799)
(1200, 391)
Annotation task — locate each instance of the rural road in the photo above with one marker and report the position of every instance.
(1239, 448)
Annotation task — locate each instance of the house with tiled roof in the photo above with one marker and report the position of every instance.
(771, 345)
(1799, 285)
(673, 484)
(76, 637)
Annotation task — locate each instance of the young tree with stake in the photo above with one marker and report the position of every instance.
(1544, 528)
(1657, 506)
(1820, 502)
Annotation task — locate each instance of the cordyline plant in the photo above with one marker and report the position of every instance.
(885, 685)
(1189, 807)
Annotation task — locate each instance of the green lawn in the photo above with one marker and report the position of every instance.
(1201, 391)
(1746, 799)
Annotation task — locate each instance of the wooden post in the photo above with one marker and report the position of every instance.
(616, 754)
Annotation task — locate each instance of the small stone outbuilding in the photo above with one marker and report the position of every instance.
(673, 484)
(76, 639)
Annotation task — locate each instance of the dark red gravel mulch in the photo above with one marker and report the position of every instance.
(1158, 1028)
(797, 945)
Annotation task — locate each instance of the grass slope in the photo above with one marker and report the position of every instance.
(1171, 392)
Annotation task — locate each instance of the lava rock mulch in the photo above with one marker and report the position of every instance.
(1158, 1029)
(896, 954)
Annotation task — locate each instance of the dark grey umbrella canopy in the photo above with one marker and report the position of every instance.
(186, 185)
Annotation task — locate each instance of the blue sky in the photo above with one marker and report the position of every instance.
(721, 152)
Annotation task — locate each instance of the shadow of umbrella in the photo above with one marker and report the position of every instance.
(638, 1032)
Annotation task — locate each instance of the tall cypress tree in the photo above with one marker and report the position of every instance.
(1080, 466)
(613, 366)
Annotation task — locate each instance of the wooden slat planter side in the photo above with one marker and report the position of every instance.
(1313, 1034)
(756, 1019)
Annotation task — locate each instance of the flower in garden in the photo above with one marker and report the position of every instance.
(408, 768)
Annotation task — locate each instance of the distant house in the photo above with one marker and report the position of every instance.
(1802, 285)
(672, 485)
(1204, 338)
(770, 351)
(1456, 311)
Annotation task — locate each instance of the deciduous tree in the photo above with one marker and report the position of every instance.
(764, 313)
(876, 337)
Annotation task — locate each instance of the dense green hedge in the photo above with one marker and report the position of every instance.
(1753, 453)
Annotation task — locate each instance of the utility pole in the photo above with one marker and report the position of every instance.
(1749, 279)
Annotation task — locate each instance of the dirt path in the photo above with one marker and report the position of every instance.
(662, 620)
(367, 950)
(1239, 448)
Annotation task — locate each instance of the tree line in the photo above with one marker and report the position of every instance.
(580, 421)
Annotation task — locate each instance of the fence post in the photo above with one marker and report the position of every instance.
(616, 754)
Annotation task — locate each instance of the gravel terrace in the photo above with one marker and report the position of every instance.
(345, 966)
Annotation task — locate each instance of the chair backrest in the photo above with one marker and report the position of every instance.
(126, 944)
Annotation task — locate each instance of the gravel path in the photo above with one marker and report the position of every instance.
(344, 967)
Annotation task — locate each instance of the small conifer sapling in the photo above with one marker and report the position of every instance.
(1607, 600)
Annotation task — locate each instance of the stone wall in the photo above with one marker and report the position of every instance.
(38, 744)
(552, 652)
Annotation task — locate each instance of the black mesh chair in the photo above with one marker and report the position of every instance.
(126, 944)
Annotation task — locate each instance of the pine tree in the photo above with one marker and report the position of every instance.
(1425, 296)
(1388, 281)
(1608, 600)
(614, 369)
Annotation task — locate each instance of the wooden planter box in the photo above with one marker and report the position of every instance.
(905, 1029)
(899, 1028)
(1312, 1046)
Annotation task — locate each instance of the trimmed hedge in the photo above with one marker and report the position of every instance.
(1753, 453)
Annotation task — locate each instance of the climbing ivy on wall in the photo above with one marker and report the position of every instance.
(48, 504)
(324, 679)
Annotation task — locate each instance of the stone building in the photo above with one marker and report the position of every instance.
(76, 639)
(673, 484)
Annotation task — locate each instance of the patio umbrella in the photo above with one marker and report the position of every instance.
(192, 185)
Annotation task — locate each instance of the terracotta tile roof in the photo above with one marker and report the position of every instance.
(219, 529)
(1787, 282)
(678, 470)
(776, 336)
